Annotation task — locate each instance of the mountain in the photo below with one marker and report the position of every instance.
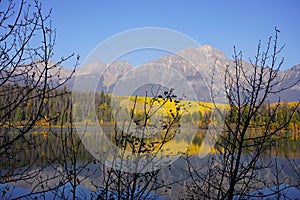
(35, 72)
(287, 78)
(103, 75)
(194, 65)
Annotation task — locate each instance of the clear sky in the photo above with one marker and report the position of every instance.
(82, 25)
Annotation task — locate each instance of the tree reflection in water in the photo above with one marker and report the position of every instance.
(42, 160)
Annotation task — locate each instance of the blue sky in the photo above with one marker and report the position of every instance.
(82, 25)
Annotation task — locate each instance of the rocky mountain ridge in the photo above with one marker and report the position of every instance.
(195, 65)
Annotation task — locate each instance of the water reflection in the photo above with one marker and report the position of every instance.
(44, 147)
(41, 145)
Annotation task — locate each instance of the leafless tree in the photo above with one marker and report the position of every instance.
(238, 167)
(137, 175)
(28, 79)
(70, 161)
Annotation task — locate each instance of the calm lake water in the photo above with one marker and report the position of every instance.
(44, 148)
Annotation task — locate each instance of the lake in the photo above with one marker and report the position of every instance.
(49, 155)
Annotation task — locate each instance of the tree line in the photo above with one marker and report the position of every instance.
(53, 107)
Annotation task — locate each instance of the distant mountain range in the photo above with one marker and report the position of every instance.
(195, 64)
